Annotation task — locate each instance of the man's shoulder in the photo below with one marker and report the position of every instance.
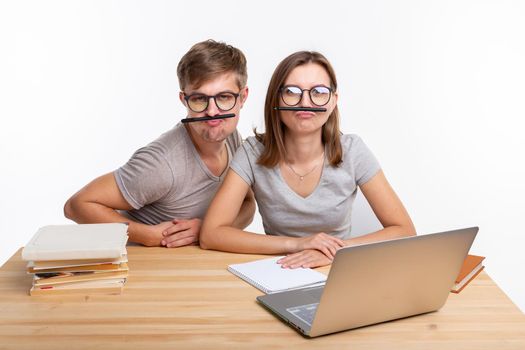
(234, 140)
(173, 136)
(252, 145)
(171, 142)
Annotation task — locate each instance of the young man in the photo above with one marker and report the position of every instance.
(164, 190)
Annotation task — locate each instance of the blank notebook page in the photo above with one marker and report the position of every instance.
(270, 277)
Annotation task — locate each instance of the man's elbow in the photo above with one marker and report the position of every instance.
(69, 208)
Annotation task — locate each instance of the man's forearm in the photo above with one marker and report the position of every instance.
(92, 213)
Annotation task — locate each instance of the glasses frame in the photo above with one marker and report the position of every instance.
(309, 94)
(208, 97)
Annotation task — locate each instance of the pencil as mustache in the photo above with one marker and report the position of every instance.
(300, 109)
(206, 118)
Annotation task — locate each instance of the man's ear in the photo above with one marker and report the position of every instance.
(181, 98)
(243, 95)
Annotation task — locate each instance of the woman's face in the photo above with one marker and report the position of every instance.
(307, 76)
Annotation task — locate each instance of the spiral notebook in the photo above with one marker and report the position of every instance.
(267, 275)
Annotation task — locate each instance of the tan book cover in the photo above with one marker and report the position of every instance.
(110, 286)
(472, 266)
(84, 291)
(54, 278)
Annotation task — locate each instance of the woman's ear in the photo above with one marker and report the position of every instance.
(336, 97)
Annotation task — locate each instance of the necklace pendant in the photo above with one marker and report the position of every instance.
(301, 178)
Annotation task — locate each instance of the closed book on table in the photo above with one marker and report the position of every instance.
(60, 264)
(109, 286)
(81, 268)
(472, 266)
(54, 278)
(74, 242)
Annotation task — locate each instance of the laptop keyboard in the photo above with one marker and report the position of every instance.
(305, 313)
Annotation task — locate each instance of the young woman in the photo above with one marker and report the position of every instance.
(304, 174)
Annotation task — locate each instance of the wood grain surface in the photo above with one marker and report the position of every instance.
(185, 298)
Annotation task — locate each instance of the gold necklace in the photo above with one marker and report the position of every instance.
(301, 177)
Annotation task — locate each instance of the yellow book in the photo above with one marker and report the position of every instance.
(55, 278)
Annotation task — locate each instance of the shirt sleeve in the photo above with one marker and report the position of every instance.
(365, 163)
(238, 139)
(242, 163)
(146, 177)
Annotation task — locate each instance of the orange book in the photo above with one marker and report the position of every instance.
(472, 266)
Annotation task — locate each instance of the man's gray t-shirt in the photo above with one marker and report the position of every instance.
(327, 209)
(168, 180)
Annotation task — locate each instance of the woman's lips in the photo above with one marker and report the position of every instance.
(305, 115)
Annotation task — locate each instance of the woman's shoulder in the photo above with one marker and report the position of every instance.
(350, 141)
(354, 147)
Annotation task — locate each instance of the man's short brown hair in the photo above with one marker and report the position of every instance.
(209, 59)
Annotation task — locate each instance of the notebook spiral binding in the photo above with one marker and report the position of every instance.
(249, 280)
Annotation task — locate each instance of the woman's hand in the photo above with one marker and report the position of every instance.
(326, 244)
(307, 258)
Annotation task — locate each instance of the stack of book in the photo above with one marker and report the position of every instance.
(86, 259)
(472, 266)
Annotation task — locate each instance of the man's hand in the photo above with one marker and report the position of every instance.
(307, 258)
(152, 234)
(326, 244)
(181, 233)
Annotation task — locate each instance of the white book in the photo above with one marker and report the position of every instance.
(268, 276)
(76, 242)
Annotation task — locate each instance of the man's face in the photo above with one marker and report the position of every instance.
(219, 129)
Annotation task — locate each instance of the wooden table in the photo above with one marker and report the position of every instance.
(185, 298)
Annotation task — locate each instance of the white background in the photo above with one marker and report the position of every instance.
(435, 88)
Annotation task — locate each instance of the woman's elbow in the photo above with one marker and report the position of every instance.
(205, 240)
(409, 230)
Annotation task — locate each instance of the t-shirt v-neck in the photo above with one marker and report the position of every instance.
(203, 165)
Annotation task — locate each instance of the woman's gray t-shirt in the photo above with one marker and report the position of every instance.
(327, 209)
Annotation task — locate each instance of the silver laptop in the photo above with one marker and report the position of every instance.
(377, 282)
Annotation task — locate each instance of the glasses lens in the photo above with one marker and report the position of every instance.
(225, 101)
(291, 95)
(198, 102)
(320, 95)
